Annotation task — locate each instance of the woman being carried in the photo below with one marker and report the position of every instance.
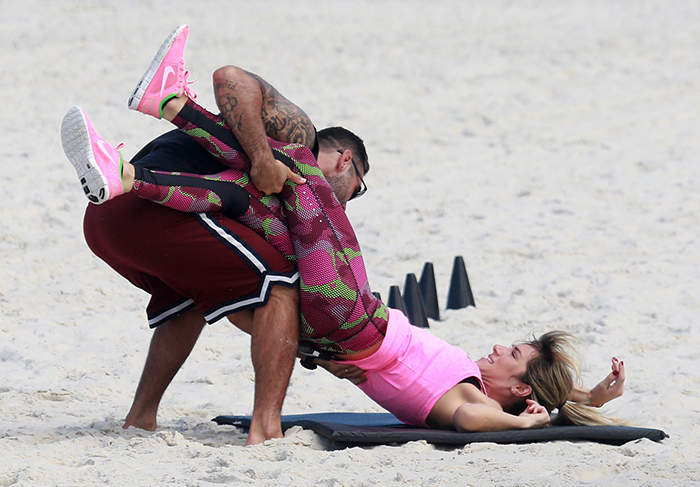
(419, 378)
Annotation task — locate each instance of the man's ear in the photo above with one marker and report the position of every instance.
(344, 160)
(521, 390)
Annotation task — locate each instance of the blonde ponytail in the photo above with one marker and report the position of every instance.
(575, 414)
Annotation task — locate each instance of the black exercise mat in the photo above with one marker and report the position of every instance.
(384, 428)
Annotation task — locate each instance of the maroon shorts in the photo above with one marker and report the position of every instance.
(184, 260)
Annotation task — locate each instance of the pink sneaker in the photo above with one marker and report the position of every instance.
(165, 78)
(98, 164)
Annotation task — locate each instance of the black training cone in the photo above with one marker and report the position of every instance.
(414, 302)
(428, 291)
(460, 293)
(395, 299)
(378, 296)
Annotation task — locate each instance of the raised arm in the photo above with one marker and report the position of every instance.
(608, 389)
(255, 110)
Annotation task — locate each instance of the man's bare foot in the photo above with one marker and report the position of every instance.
(144, 421)
(255, 438)
(261, 430)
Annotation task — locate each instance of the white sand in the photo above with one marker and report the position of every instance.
(552, 144)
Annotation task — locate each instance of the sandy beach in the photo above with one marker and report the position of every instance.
(552, 144)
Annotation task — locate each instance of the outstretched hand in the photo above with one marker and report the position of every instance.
(536, 415)
(610, 387)
(352, 373)
(269, 176)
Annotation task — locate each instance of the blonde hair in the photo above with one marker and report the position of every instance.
(552, 375)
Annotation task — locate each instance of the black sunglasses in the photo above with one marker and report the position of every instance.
(363, 186)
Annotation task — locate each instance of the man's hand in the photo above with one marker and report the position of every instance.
(352, 373)
(255, 110)
(270, 175)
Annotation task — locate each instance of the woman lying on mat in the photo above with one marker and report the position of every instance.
(421, 379)
(426, 382)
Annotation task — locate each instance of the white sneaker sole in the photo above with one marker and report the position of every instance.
(75, 138)
(142, 86)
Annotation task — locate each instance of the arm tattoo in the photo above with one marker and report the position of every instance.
(227, 104)
(283, 120)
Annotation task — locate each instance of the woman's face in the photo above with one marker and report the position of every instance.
(506, 363)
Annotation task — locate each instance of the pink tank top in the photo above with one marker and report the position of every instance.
(412, 369)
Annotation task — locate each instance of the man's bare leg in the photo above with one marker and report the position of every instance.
(170, 346)
(243, 320)
(274, 341)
